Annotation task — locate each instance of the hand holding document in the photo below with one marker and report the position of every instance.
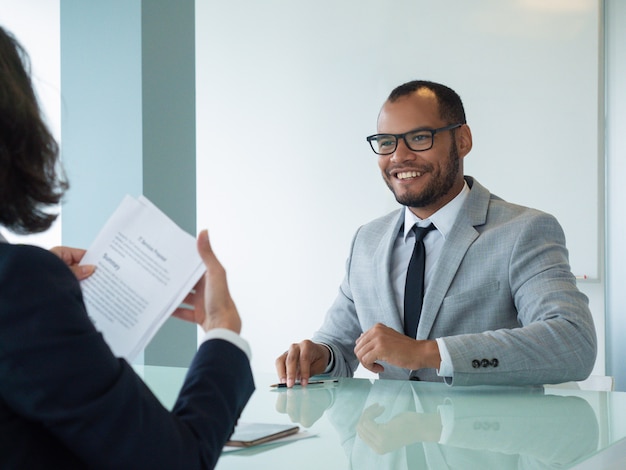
(145, 267)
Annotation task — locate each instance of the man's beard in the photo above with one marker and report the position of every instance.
(438, 187)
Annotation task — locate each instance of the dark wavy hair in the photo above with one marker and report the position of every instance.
(31, 178)
(450, 105)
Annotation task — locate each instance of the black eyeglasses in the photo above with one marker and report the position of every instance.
(417, 140)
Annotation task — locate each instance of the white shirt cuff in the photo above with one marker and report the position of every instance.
(445, 368)
(231, 337)
(331, 361)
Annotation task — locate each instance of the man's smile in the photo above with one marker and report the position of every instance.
(402, 175)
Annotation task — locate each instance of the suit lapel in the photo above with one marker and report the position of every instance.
(472, 214)
(383, 285)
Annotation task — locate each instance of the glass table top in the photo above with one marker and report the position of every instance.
(391, 424)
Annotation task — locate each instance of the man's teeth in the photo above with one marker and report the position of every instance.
(408, 174)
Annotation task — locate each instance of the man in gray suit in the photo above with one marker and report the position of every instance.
(500, 303)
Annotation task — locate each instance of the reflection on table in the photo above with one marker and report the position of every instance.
(388, 424)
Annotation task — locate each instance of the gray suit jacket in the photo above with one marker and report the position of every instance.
(502, 297)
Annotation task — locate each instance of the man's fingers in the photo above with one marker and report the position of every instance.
(301, 361)
(367, 352)
(305, 365)
(281, 367)
(293, 365)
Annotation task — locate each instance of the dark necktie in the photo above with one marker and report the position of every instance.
(414, 287)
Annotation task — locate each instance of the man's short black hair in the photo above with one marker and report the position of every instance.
(450, 105)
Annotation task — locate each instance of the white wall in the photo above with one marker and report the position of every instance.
(282, 209)
(36, 25)
(287, 92)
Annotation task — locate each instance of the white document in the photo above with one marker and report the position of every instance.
(145, 266)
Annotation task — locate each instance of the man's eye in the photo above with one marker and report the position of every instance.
(385, 143)
(419, 137)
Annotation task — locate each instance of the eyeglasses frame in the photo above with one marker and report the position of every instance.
(374, 137)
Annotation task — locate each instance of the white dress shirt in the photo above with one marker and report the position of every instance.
(443, 220)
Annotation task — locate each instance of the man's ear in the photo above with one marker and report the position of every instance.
(463, 140)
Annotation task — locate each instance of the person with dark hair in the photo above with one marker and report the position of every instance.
(65, 400)
(458, 285)
(28, 152)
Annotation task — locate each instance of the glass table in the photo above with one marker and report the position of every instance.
(390, 424)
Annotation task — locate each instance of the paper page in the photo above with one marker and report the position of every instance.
(145, 266)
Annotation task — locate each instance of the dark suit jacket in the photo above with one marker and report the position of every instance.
(67, 402)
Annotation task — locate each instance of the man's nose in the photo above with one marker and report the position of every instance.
(402, 152)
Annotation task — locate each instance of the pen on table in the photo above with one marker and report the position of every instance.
(314, 382)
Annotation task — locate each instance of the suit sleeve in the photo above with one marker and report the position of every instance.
(555, 341)
(57, 370)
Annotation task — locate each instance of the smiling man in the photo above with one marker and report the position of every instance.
(458, 285)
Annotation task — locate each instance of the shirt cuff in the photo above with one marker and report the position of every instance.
(446, 369)
(231, 337)
(331, 360)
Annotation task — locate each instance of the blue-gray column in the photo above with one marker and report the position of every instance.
(169, 141)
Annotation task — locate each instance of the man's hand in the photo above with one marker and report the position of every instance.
(212, 304)
(72, 257)
(383, 344)
(301, 361)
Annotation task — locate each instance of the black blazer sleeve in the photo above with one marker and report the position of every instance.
(64, 395)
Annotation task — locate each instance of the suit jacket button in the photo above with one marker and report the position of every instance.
(485, 363)
(475, 363)
(494, 362)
